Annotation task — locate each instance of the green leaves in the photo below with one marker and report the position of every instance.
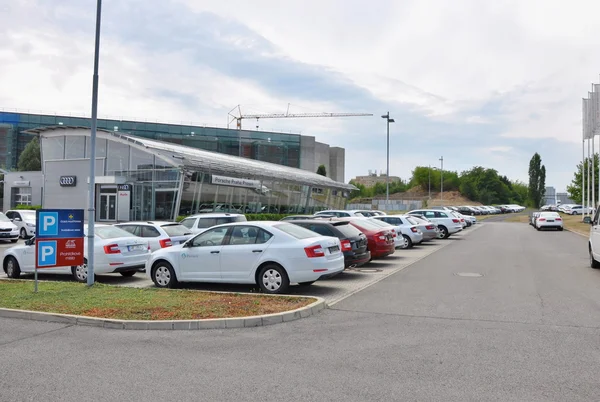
(537, 181)
(30, 159)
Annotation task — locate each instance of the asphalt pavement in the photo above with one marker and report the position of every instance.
(527, 329)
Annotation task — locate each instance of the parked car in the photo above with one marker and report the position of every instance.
(24, 220)
(397, 237)
(340, 213)
(594, 240)
(429, 229)
(548, 220)
(298, 217)
(269, 254)
(578, 210)
(199, 223)
(115, 250)
(533, 217)
(158, 234)
(380, 240)
(409, 231)
(353, 241)
(8, 230)
(447, 224)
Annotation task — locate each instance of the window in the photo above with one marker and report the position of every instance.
(53, 148)
(296, 231)
(21, 196)
(429, 214)
(188, 222)
(441, 215)
(176, 229)
(207, 222)
(100, 147)
(263, 236)
(149, 231)
(322, 230)
(212, 237)
(117, 157)
(348, 230)
(109, 232)
(243, 235)
(74, 147)
(133, 229)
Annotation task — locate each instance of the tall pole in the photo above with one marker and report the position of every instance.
(589, 183)
(583, 170)
(593, 205)
(430, 182)
(92, 188)
(387, 176)
(442, 182)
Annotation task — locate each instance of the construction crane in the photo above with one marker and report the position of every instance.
(241, 116)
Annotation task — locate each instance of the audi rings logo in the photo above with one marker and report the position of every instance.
(68, 181)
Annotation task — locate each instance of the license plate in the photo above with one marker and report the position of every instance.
(137, 247)
(4, 234)
(550, 220)
(334, 249)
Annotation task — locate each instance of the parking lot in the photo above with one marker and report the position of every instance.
(332, 290)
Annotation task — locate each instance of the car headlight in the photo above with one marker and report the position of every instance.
(31, 225)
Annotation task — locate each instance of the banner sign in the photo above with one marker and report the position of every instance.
(234, 182)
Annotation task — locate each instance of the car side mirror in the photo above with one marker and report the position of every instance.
(17, 219)
(29, 242)
(587, 219)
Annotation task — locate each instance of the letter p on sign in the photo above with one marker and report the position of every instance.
(48, 224)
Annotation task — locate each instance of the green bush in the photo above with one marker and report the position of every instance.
(180, 218)
(21, 206)
(265, 217)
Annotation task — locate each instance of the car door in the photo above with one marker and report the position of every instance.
(26, 257)
(200, 259)
(241, 253)
(595, 235)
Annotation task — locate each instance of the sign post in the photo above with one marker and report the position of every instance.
(58, 239)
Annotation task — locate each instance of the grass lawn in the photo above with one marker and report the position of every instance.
(104, 301)
(574, 223)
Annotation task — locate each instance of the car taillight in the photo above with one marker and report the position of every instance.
(394, 233)
(430, 227)
(314, 251)
(455, 221)
(414, 229)
(381, 236)
(541, 219)
(165, 243)
(558, 219)
(111, 249)
(346, 245)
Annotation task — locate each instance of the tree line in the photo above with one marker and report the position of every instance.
(478, 184)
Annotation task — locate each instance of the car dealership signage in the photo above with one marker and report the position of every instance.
(68, 181)
(234, 182)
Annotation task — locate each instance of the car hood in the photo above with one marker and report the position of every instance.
(7, 225)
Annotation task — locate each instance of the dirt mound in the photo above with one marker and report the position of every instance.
(450, 198)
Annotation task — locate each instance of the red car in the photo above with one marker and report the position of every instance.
(380, 240)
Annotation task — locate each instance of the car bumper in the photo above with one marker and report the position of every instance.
(120, 263)
(382, 251)
(313, 269)
(416, 238)
(430, 235)
(356, 260)
(9, 235)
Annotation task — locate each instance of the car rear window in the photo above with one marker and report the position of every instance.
(413, 221)
(296, 231)
(111, 232)
(231, 219)
(347, 230)
(175, 229)
(188, 222)
(368, 225)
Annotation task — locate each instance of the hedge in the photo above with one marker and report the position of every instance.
(21, 206)
(252, 217)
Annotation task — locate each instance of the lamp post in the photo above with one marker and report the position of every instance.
(92, 188)
(387, 176)
(442, 182)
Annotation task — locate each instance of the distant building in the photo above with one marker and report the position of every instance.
(563, 198)
(550, 197)
(372, 178)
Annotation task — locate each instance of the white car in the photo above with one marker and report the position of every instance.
(340, 213)
(269, 254)
(578, 210)
(399, 241)
(447, 224)
(410, 232)
(199, 223)
(8, 230)
(548, 220)
(158, 234)
(115, 250)
(24, 219)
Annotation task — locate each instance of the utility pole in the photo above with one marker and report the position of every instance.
(442, 182)
(429, 181)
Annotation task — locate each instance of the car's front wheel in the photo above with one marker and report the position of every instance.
(273, 279)
(23, 233)
(80, 272)
(163, 275)
(12, 268)
(593, 262)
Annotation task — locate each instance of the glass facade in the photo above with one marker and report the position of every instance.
(279, 148)
(162, 191)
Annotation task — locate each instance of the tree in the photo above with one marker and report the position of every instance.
(537, 181)
(322, 170)
(574, 189)
(30, 157)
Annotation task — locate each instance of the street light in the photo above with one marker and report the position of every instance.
(442, 182)
(387, 177)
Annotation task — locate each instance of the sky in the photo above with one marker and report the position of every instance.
(478, 83)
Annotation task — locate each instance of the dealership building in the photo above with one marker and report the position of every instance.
(145, 178)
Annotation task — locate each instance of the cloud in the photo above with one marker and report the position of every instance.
(482, 83)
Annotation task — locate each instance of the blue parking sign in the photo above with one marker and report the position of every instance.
(47, 225)
(46, 253)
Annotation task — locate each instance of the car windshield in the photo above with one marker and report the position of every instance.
(111, 232)
(412, 220)
(3, 218)
(296, 231)
(347, 230)
(175, 229)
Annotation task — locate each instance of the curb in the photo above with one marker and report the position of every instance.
(577, 232)
(216, 323)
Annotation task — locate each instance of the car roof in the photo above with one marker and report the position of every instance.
(213, 215)
(321, 221)
(159, 223)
